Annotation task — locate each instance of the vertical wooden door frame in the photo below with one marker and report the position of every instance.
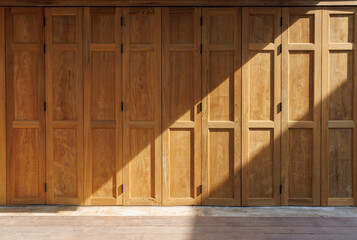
(235, 124)
(52, 124)
(327, 124)
(89, 124)
(275, 123)
(2, 110)
(315, 123)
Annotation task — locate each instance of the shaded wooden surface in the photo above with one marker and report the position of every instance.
(2, 110)
(188, 228)
(339, 89)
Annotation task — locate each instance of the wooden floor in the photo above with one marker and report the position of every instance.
(188, 228)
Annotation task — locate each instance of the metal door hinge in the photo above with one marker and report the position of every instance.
(45, 106)
(281, 189)
(199, 107)
(281, 21)
(279, 108)
(121, 21)
(280, 49)
(120, 189)
(199, 190)
(122, 106)
(44, 21)
(45, 187)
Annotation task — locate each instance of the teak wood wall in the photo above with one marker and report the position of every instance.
(178, 106)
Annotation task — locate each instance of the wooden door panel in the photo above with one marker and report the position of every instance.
(64, 93)
(25, 114)
(261, 91)
(339, 107)
(142, 106)
(221, 125)
(103, 96)
(301, 106)
(182, 96)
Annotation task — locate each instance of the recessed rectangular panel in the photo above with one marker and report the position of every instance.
(64, 82)
(300, 163)
(340, 84)
(142, 163)
(261, 163)
(340, 163)
(221, 163)
(221, 85)
(103, 86)
(103, 163)
(301, 86)
(341, 28)
(25, 70)
(103, 28)
(181, 165)
(142, 26)
(26, 163)
(25, 28)
(301, 28)
(221, 29)
(261, 86)
(141, 86)
(65, 162)
(64, 29)
(181, 27)
(261, 28)
(181, 86)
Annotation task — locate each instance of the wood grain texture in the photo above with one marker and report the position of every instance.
(64, 92)
(221, 106)
(181, 92)
(24, 99)
(142, 106)
(2, 110)
(261, 90)
(301, 93)
(151, 3)
(339, 108)
(102, 99)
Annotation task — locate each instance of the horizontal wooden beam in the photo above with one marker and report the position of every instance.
(177, 3)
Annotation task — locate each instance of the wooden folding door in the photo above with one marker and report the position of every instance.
(181, 106)
(301, 95)
(142, 106)
(102, 106)
(339, 107)
(261, 89)
(221, 129)
(64, 97)
(25, 96)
